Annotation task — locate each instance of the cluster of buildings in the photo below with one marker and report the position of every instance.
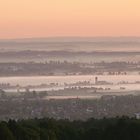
(73, 109)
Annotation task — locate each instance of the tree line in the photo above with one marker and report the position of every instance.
(123, 128)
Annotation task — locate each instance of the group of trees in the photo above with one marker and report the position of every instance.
(49, 129)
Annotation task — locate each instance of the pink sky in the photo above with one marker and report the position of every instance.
(44, 18)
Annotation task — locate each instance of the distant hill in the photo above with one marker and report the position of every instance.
(73, 43)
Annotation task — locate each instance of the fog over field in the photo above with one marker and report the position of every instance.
(98, 71)
(70, 49)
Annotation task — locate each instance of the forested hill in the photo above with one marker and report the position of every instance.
(49, 129)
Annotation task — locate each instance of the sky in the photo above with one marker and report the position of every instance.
(52, 18)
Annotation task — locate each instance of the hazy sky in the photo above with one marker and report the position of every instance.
(43, 18)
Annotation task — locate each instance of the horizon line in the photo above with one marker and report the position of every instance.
(57, 37)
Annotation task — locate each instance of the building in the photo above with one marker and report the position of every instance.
(137, 115)
(97, 82)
